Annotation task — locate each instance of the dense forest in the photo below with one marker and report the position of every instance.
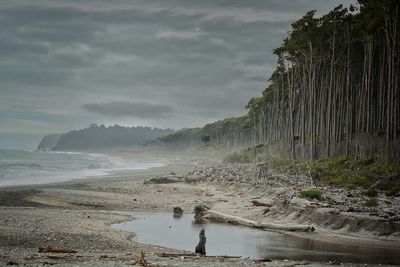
(335, 89)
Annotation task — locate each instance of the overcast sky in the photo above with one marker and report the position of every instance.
(166, 63)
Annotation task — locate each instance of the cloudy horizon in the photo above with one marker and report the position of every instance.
(167, 64)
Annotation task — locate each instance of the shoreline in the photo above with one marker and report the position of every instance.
(121, 163)
(89, 206)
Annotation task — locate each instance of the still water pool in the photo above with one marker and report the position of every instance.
(163, 229)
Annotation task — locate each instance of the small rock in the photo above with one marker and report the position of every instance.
(178, 210)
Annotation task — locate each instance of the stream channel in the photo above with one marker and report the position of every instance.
(165, 230)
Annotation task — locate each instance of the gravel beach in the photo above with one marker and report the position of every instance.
(78, 215)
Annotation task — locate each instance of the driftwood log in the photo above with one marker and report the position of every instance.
(47, 249)
(219, 216)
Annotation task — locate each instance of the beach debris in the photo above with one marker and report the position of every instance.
(142, 261)
(178, 210)
(102, 257)
(260, 204)
(201, 246)
(48, 249)
(56, 257)
(265, 211)
(163, 180)
(262, 260)
(199, 212)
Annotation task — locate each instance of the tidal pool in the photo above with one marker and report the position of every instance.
(163, 229)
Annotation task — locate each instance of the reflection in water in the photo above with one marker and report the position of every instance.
(162, 229)
(177, 215)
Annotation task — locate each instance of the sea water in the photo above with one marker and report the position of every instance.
(20, 167)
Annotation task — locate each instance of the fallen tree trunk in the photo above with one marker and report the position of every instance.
(219, 216)
(47, 249)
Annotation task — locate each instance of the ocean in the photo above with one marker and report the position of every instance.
(20, 167)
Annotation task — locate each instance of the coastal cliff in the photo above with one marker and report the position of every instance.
(49, 141)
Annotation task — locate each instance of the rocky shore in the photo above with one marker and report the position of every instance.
(78, 214)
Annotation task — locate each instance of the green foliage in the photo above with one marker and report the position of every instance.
(206, 138)
(182, 135)
(366, 161)
(337, 171)
(394, 190)
(238, 157)
(311, 194)
(212, 132)
(289, 166)
(371, 192)
(363, 173)
(371, 202)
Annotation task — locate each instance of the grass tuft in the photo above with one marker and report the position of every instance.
(311, 194)
(371, 192)
(372, 202)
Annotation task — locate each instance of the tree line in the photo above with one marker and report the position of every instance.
(335, 89)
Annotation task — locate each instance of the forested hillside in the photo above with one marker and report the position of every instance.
(100, 137)
(335, 89)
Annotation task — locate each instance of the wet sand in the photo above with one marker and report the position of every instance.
(78, 214)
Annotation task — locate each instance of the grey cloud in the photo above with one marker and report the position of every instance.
(14, 47)
(22, 76)
(130, 109)
(204, 58)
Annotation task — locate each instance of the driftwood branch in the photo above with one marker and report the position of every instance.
(219, 216)
(142, 261)
(47, 249)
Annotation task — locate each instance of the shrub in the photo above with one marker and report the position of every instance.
(372, 202)
(393, 191)
(312, 194)
(371, 192)
(238, 157)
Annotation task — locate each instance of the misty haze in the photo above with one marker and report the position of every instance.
(200, 133)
